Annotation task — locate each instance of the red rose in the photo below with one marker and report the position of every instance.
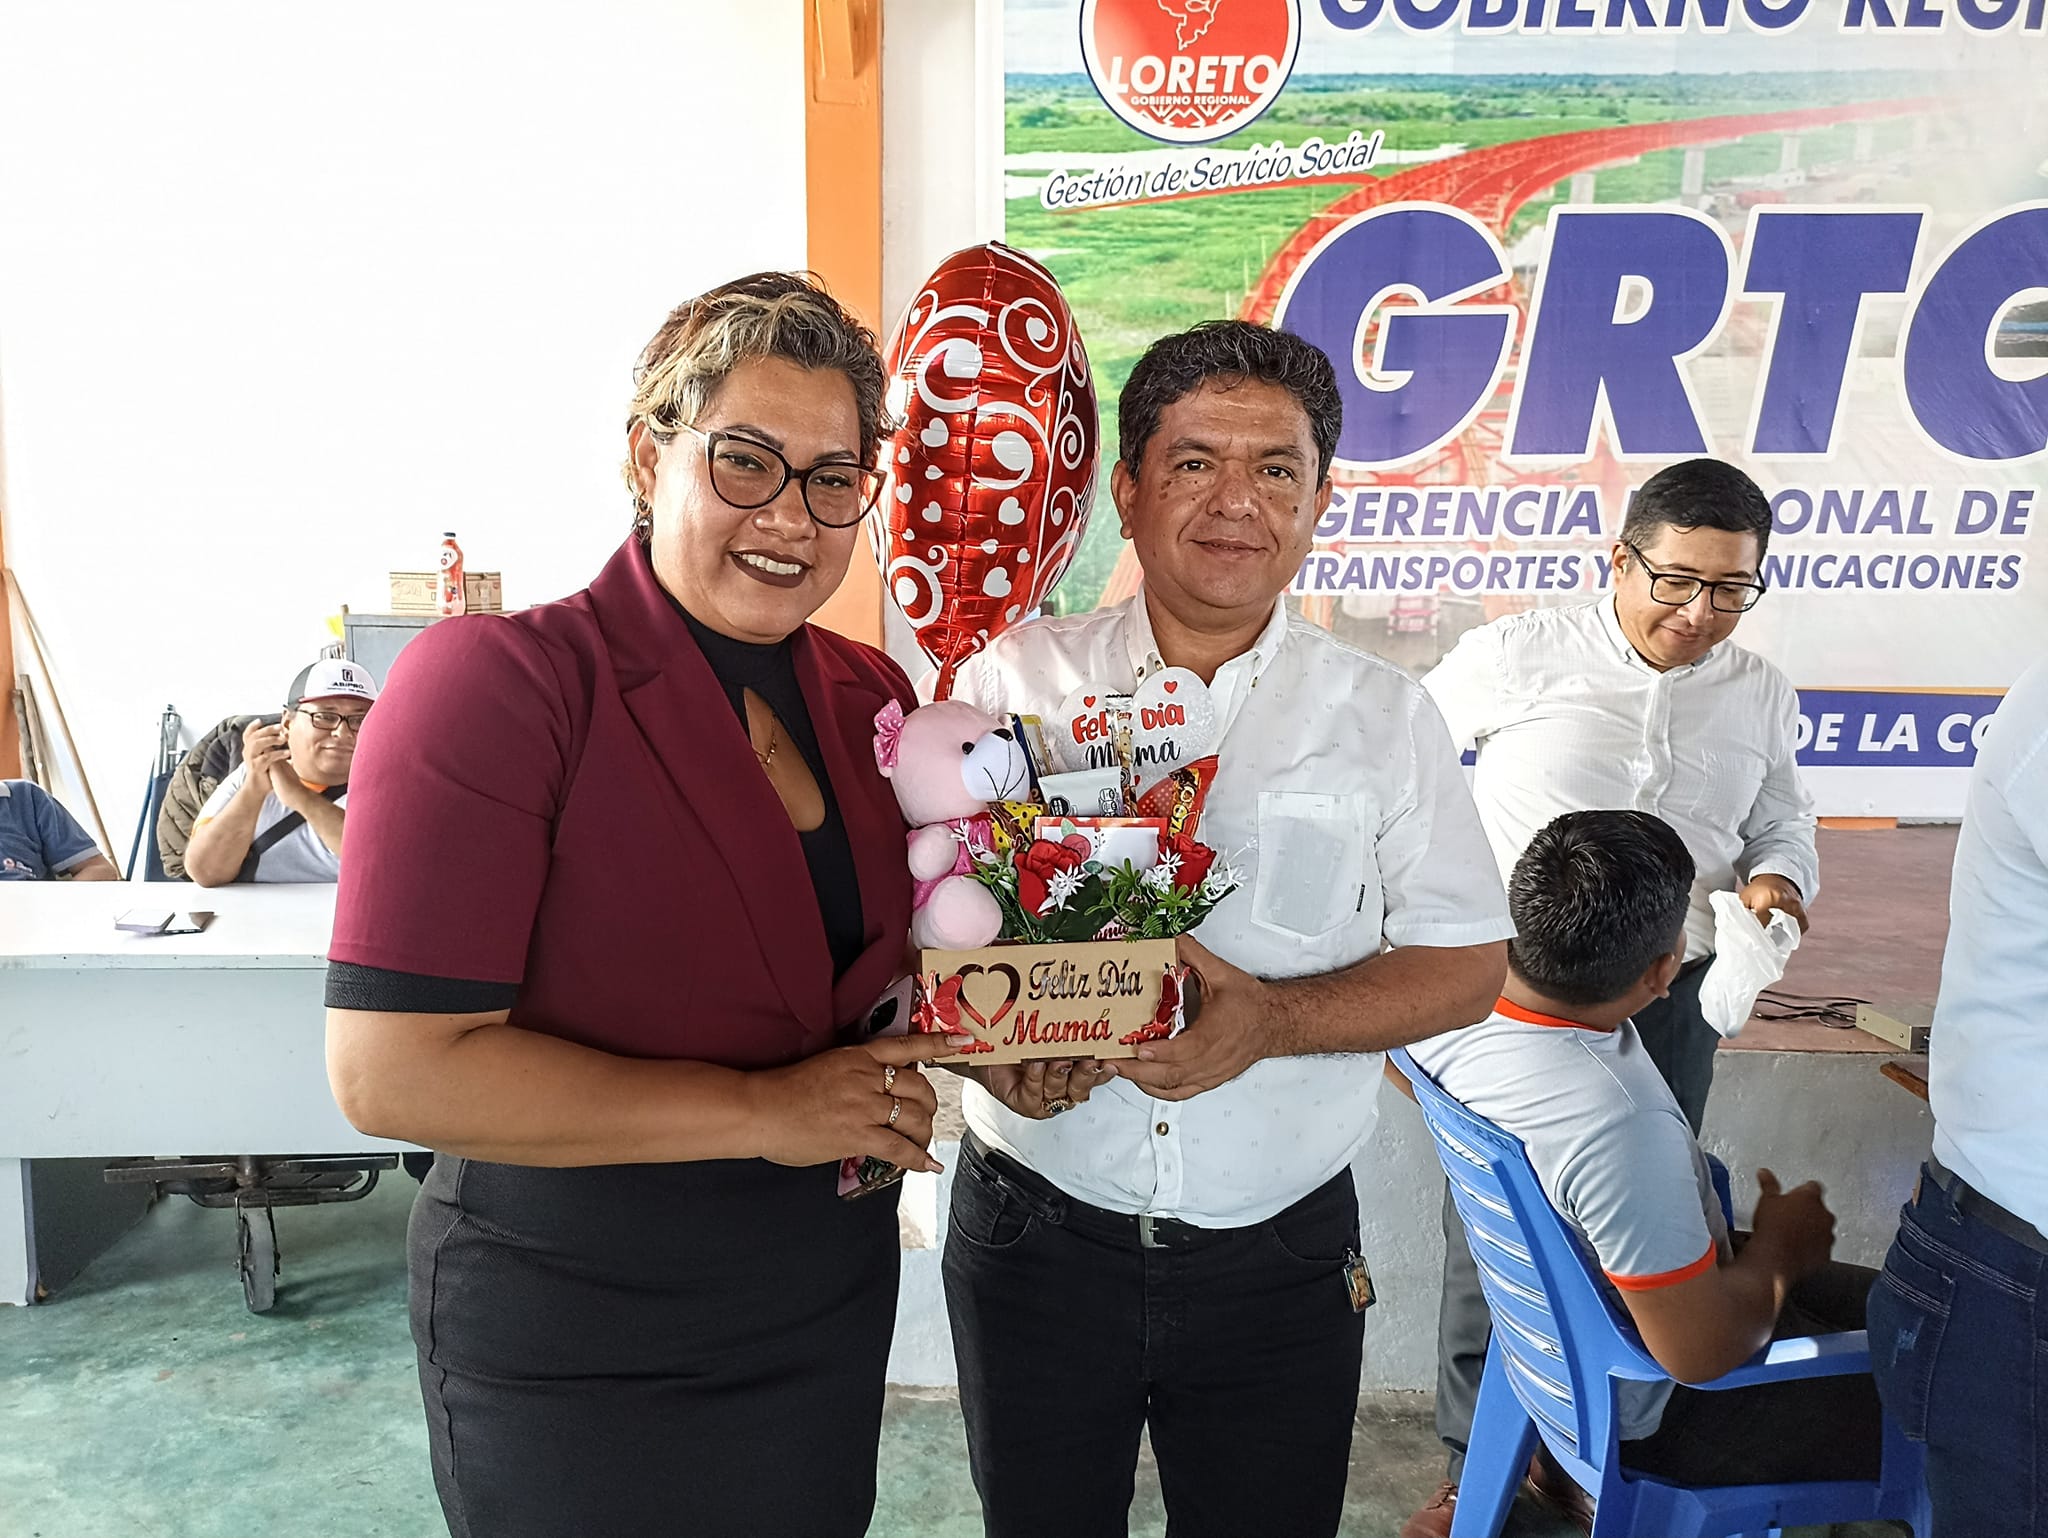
(1195, 860)
(1036, 866)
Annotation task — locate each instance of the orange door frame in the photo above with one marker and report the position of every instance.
(843, 216)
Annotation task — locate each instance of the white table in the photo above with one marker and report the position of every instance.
(115, 1045)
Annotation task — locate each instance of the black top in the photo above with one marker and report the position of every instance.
(770, 671)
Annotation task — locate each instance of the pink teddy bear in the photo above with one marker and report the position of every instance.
(947, 762)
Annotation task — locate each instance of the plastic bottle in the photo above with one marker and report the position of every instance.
(453, 598)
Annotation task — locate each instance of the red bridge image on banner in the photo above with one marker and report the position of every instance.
(1492, 184)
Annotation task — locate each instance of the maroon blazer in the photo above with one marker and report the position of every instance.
(565, 799)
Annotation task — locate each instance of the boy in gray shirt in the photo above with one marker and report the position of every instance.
(1599, 902)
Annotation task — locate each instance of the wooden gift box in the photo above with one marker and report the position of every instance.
(1089, 999)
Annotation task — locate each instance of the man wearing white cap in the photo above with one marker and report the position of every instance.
(278, 815)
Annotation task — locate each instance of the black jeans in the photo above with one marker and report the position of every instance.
(1682, 1045)
(1777, 1433)
(1237, 1347)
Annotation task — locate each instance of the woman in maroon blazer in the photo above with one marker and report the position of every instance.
(621, 873)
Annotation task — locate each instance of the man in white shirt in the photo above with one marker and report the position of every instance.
(1959, 1317)
(1641, 700)
(279, 814)
(1174, 1252)
(1599, 899)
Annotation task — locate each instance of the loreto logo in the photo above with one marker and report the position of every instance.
(1188, 71)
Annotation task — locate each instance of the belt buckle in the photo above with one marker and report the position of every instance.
(1148, 1233)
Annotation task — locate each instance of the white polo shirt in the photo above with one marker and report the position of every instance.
(1609, 1145)
(1987, 1078)
(1568, 718)
(1339, 799)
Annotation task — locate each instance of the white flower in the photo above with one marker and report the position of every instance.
(1159, 878)
(1061, 887)
(1220, 882)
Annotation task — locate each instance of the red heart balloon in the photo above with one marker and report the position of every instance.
(992, 474)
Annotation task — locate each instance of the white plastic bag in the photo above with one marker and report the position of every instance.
(1748, 958)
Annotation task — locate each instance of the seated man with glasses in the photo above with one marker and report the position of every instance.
(1638, 698)
(278, 816)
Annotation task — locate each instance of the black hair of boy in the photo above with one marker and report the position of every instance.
(1597, 899)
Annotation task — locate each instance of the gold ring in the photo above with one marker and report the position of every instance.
(888, 1077)
(895, 1110)
(1058, 1104)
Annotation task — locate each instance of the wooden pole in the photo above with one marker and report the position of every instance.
(843, 209)
(11, 589)
(10, 737)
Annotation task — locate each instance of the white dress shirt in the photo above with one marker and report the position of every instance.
(1987, 1078)
(1339, 800)
(1568, 718)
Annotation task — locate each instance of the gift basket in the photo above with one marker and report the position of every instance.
(1049, 887)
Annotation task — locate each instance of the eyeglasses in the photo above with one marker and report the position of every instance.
(326, 722)
(1675, 590)
(748, 475)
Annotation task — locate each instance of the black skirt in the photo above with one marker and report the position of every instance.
(686, 1349)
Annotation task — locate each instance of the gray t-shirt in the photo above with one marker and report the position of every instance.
(1609, 1145)
(299, 855)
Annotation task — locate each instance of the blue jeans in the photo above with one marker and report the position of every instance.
(1959, 1347)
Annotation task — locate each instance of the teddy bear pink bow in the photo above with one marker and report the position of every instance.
(888, 735)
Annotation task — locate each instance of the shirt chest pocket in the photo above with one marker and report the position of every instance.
(1313, 875)
(1725, 787)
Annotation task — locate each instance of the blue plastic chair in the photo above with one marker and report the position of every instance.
(1561, 1350)
(145, 855)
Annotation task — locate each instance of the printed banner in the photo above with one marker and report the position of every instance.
(1553, 245)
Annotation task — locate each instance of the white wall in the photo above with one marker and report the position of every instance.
(942, 155)
(287, 290)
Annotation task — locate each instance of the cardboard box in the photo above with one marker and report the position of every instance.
(1905, 1026)
(418, 592)
(1095, 999)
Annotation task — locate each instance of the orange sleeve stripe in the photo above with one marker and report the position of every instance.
(1666, 1278)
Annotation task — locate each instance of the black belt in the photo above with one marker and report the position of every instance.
(1055, 1206)
(1973, 1203)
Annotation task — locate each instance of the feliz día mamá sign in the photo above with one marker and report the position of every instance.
(1096, 999)
(1167, 721)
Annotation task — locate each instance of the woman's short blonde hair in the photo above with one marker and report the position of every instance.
(767, 315)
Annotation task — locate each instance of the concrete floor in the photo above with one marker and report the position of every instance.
(144, 1402)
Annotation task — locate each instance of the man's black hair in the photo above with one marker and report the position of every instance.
(1597, 898)
(1698, 494)
(1174, 367)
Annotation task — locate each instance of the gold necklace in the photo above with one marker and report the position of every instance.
(774, 742)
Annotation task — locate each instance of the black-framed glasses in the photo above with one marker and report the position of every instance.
(837, 493)
(1675, 589)
(327, 722)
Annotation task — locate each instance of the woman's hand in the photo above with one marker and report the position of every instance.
(1043, 1087)
(870, 1099)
